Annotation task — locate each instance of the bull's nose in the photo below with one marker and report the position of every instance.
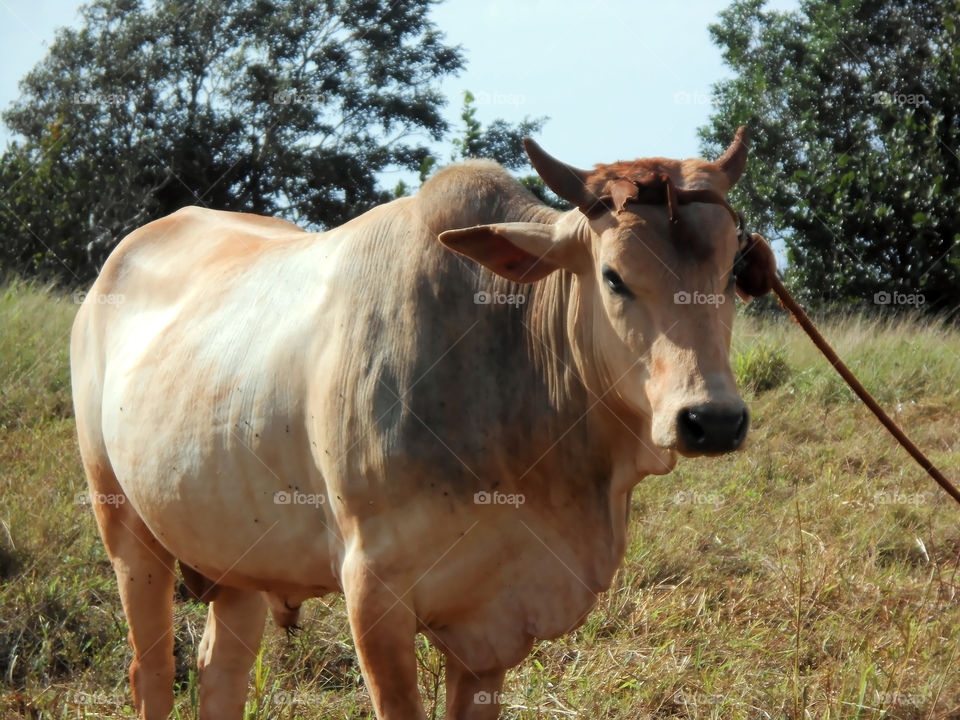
(711, 428)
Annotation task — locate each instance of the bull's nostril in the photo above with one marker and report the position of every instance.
(691, 429)
(741, 432)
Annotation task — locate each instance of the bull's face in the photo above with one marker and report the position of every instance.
(656, 286)
(662, 300)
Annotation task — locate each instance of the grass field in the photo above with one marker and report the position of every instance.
(813, 575)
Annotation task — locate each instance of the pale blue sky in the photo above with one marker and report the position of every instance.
(619, 79)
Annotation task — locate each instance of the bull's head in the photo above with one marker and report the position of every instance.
(658, 258)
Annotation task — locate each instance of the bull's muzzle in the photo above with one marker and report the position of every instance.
(711, 428)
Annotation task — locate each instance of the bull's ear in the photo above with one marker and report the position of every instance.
(519, 251)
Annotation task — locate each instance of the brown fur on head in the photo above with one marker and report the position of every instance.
(650, 180)
(687, 174)
(585, 188)
(653, 180)
(693, 174)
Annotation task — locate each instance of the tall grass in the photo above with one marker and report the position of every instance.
(898, 359)
(34, 370)
(813, 575)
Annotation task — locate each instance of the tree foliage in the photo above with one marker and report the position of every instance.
(502, 142)
(499, 140)
(854, 109)
(283, 108)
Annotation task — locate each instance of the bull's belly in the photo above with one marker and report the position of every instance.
(286, 550)
(237, 515)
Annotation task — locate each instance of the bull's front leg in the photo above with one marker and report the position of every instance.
(470, 695)
(383, 628)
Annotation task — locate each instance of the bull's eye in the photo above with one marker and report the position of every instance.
(615, 282)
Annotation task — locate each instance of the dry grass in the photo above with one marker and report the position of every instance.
(812, 576)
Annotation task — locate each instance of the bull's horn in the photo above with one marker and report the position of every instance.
(734, 160)
(565, 180)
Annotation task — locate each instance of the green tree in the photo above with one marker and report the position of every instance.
(502, 142)
(284, 108)
(499, 141)
(854, 111)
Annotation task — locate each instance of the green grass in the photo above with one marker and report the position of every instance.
(814, 575)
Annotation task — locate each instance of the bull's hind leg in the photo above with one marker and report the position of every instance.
(145, 576)
(227, 651)
(383, 632)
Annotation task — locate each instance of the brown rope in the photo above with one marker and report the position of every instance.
(648, 190)
(801, 318)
